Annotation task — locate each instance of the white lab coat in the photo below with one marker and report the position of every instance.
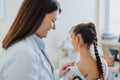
(25, 61)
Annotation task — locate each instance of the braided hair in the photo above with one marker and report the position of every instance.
(89, 35)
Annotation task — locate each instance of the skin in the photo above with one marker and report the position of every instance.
(47, 24)
(65, 69)
(86, 64)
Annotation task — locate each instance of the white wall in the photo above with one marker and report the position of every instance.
(73, 12)
(11, 8)
(103, 16)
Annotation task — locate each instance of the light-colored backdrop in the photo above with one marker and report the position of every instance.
(73, 12)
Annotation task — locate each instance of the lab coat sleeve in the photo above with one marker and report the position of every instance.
(22, 66)
(56, 75)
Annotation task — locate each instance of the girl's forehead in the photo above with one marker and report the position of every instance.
(72, 34)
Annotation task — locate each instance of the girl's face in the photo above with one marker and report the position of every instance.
(47, 24)
(77, 41)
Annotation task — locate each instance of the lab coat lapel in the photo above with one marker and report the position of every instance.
(48, 60)
(44, 58)
(48, 67)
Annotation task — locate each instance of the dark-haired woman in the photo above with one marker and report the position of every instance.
(89, 67)
(24, 56)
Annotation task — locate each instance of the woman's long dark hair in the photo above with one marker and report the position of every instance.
(89, 35)
(28, 19)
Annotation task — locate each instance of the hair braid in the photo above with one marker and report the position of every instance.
(91, 27)
(89, 36)
(99, 63)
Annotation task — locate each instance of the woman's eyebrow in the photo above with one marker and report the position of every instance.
(55, 19)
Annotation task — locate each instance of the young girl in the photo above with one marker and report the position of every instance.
(88, 67)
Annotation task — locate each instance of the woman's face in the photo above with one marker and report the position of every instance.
(47, 24)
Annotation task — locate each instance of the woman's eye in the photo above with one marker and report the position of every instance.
(53, 21)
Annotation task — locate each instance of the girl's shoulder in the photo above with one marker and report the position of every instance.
(73, 70)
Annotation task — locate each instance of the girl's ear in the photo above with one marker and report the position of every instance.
(79, 40)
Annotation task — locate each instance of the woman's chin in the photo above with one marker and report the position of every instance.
(45, 36)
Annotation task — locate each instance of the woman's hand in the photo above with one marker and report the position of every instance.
(119, 68)
(65, 68)
(71, 77)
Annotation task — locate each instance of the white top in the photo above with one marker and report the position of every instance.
(25, 61)
(74, 70)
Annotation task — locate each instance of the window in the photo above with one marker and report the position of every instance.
(114, 17)
(2, 9)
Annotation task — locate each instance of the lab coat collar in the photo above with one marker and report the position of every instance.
(39, 45)
(39, 40)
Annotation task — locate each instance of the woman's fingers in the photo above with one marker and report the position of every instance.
(119, 68)
(65, 68)
(68, 64)
(65, 71)
(71, 77)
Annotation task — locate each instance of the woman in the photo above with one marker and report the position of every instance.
(24, 57)
(89, 67)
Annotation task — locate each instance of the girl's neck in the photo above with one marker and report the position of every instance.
(84, 53)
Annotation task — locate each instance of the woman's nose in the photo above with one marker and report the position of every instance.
(53, 27)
